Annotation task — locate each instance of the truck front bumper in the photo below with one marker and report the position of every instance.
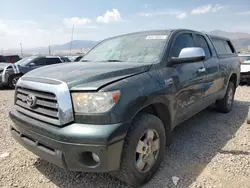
(71, 147)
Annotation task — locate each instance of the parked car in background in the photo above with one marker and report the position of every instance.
(12, 58)
(115, 110)
(3, 59)
(10, 73)
(245, 68)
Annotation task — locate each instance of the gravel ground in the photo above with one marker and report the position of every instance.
(208, 150)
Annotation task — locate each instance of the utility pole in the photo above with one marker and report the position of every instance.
(70, 48)
(49, 51)
(21, 49)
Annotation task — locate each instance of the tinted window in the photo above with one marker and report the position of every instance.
(39, 62)
(51, 61)
(202, 42)
(229, 47)
(223, 46)
(182, 41)
(14, 58)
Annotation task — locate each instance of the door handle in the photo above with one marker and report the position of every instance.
(201, 70)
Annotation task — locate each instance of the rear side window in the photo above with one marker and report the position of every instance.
(182, 41)
(229, 47)
(39, 62)
(14, 58)
(223, 46)
(51, 61)
(202, 42)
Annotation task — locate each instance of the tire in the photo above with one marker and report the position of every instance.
(248, 116)
(224, 105)
(13, 80)
(129, 169)
(248, 82)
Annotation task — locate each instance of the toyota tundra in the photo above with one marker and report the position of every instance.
(114, 111)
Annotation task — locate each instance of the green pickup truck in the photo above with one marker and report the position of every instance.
(115, 110)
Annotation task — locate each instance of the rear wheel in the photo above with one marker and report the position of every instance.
(225, 105)
(143, 150)
(13, 80)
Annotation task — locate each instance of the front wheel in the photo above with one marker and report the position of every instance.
(225, 105)
(13, 80)
(143, 150)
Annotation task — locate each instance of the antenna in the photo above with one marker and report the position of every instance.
(49, 50)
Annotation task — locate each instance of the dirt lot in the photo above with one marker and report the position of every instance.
(209, 150)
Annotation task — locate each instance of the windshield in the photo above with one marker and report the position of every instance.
(144, 48)
(3, 59)
(25, 61)
(245, 59)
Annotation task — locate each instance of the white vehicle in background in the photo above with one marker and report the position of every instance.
(245, 68)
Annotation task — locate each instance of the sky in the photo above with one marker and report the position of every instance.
(46, 22)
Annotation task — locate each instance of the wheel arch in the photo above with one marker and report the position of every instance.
(160, 110)
(233, 78)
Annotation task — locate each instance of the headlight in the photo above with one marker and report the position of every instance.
(98, 102)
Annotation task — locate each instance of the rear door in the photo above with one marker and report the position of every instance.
(229, 61)
(213, 78)
(189, 80)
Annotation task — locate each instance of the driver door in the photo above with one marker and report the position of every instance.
(37, 63)
(188, 79)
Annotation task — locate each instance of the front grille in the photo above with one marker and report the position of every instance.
(46, 108)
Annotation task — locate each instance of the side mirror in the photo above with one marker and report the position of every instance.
(32, 64)
(189, 55)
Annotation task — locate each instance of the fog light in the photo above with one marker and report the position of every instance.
(95, 157)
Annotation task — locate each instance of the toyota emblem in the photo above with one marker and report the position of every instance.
(31, 100)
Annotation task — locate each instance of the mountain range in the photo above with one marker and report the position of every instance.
(240, 40)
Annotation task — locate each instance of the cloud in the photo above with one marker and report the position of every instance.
(181, 15)
(206, 9)
(78, 22)
(243, 13)
(177, 14)
(109, 17)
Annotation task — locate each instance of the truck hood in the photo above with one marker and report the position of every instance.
(89, 75)
(245, 68)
